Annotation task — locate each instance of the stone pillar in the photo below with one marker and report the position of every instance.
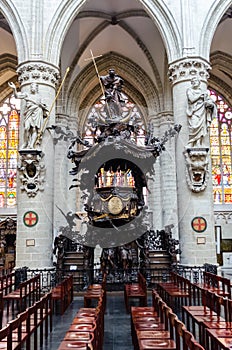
(65, 199)
(168, 178)
(154, 184)
(36, 189)
(163, 203)
(194, 202)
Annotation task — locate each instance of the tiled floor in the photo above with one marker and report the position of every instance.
(61, 325)
(117, 324)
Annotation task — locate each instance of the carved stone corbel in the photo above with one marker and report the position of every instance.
(31, 171)
(197, 168)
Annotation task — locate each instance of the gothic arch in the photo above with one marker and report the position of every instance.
(211, 22)
(223, 62)
(137, 85)
(158, 11)
(101, 27)
(11, 14)
(8, 63)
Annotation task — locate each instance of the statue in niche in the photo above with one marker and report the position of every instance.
(201, 110)
(34, 114)
(113, 84)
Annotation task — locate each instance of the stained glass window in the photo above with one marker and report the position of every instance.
(9, 128)
(221, 151)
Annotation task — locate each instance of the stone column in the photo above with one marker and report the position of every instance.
(195, 200)
(65, 199)
(36, 174)
(154, 184)
(168, 178)
(162, 198)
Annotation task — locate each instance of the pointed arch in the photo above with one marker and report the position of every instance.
(126, 28)
(167, 26)
(8, 63)
(211, 22)
(12, 16)
(157, 10)
(223, 62)
(137, 85)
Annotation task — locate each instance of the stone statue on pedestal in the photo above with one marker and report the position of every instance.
(34, 114)
(113, 84)
(201, 110)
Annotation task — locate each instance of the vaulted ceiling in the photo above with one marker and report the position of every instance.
(124, 28)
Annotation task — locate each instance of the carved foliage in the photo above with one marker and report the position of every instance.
(40, 72)
(184, 69)
(31, 171)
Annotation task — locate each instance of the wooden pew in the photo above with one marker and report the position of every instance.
(18, 332)
(83, 332)
(7, 283)
(212, 316)
(27, 292)
(216, 331)
(151, 331)
(5, 340)
(177, 290)
(62, 295)
(165, 332)
(87, 328)
(39, 321)
(136, 291)
(44, 307)
(94, 292)
(217, 284)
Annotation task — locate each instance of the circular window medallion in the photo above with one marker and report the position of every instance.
(30, 218)
(199, 224)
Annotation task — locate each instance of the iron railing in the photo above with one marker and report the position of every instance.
(115, 279)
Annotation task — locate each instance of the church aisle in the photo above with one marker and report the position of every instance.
(117, 334)
(117, 324)
(61, 325)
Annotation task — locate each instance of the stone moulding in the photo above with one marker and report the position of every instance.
(197, 168)
(31, 171)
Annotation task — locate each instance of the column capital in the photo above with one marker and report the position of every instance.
(39, 72)
(185, 69)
